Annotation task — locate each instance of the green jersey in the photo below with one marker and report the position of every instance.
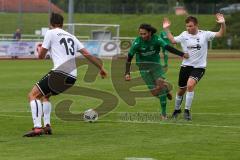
(147, 51)
(164, 36)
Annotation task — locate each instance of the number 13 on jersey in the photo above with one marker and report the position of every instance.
(68, 44)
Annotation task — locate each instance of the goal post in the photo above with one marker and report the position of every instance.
(100, 39)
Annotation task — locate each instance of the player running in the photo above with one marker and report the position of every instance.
(194, 42)
(62, 47)
(146, 47)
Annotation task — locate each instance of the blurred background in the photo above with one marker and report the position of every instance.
(107, 27)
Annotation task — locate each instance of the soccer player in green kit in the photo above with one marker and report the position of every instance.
(146, 47)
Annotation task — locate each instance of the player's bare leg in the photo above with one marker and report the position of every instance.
(161, 87)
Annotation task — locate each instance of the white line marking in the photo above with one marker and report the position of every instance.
(174, 123)
(135, 158)
(145, 122)
(217, 114)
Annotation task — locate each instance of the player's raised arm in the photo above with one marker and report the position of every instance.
(95, 61)
(221, 20)
(166, 26)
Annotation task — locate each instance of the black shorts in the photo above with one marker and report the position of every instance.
(55, 82)
(189, 72)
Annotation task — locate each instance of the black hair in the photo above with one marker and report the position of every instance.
(191, 19)
(56, 20)
(148, 27)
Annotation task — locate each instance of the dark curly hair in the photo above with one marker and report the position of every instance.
(148, 27)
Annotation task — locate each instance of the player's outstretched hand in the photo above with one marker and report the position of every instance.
(186, 55)
(103, 73)
(166, 23)
(127, 77)
(220, 18)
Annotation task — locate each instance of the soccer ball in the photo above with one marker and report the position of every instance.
(90, 115)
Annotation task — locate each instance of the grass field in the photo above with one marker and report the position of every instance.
(212, 135)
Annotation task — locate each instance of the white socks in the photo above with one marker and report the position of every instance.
(36, 108)
(178, 101)
(47, 107)
(189, 99)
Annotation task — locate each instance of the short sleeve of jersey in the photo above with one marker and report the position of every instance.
(210, 35)
(133, 48)
(47, 40)
(79, 44)
(179, 38)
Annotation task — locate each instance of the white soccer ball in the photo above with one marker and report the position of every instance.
(90, 115)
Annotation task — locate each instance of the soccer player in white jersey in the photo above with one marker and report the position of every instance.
(195, 43)
(62, 47)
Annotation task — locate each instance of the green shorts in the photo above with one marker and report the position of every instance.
(150, 73)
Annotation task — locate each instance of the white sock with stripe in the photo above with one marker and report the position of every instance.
(189, 99)
(47, 107)
(178, 101)
(36, 108)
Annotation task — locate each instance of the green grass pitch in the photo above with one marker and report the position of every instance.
(212, 135)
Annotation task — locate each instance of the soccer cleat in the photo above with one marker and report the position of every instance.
(47, 129)
(164, 117)
(34, 132)
(176, 113)
(187, 115)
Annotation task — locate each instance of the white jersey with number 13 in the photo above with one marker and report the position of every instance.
(62, 47)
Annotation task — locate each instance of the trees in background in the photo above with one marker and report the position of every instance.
(143, 6)
(231, 39)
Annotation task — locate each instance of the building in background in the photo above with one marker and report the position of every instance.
(28, 6)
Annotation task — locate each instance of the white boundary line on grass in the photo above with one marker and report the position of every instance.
(174, 123)
(147, 122)
(137, 158)
(217, 114)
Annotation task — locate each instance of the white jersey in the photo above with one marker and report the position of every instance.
(62, 47)
(196, 46)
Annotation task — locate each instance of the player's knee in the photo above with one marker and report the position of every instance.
(160, 83)
(31, 96)
(155, 92)
(190, 87)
